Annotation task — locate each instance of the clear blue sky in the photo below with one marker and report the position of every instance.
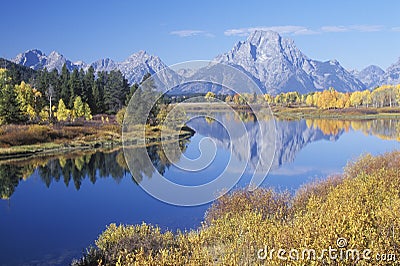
(356, 33)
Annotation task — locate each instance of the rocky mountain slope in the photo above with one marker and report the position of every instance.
(280, 66)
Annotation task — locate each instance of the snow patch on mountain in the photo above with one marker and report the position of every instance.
(392, 74)
(371, 76)
(280, 66)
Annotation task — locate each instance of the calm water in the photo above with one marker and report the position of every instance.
(51, 209)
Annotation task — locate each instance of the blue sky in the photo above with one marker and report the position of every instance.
(356, 33)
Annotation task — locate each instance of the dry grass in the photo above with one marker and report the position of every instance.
(17, 135)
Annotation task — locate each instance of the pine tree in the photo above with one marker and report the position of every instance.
(88, 84)
(55, 82)
(65, 92)
(10, 110)
(115, 92)
(75, 86)
(83, 92)
(98, 93)
(41, 84)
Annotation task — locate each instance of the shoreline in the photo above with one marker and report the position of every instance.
(305, 112)
(343, 114)
(26, 152)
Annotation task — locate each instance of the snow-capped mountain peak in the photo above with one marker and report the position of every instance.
(280, 66)
(31, 58)
(36, 59)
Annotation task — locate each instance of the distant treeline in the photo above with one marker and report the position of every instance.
(383, 96)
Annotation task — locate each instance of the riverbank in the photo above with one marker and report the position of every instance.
(352, 212)
(300, 112)
(25, 141)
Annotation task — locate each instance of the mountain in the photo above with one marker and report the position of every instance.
(140, 63)
(392, 74)
(37, 60)
(106, 65)
(272, 62)
(133, 68)
(279, 66)
(371, 76)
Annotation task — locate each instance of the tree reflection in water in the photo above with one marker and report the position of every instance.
(77, 167)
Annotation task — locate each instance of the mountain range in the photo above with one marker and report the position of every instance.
(272, 61)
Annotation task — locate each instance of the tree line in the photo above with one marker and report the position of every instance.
(382, 96)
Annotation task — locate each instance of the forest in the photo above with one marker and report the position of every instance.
(46, 96)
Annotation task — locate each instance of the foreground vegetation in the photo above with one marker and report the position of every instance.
(362, 206)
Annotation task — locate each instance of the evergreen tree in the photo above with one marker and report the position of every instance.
(75, 86)
(88, 84)
(65, 92)
(10, 109)
(115, 91)
(42, 83)
(55, 82)
(98, 93)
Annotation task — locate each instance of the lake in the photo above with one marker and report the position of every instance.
(53, 208)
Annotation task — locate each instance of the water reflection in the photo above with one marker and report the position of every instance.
(291, 137)
(77, 167)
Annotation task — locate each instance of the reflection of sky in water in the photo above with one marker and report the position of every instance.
(212, 171)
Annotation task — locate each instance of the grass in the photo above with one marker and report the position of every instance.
(362, 206)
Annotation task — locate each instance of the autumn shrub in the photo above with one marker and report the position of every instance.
(362, 206)
(318, 188)
(13, 135)
(132, 238)
(263, 200)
